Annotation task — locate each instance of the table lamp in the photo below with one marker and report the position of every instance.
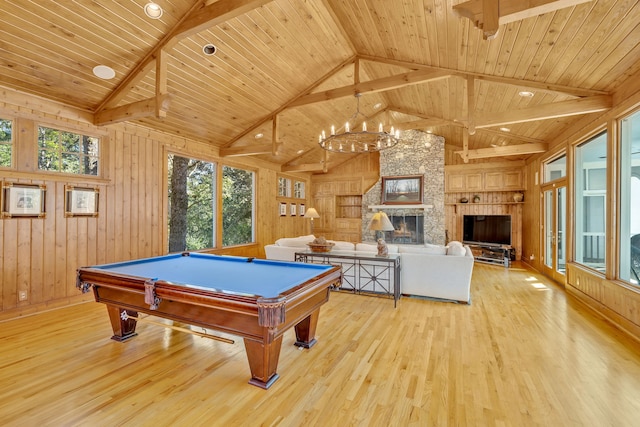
(381, 222)
(311, 213)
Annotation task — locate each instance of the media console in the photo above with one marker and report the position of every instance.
(492, 254)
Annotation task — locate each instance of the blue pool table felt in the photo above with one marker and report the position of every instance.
(241, 275)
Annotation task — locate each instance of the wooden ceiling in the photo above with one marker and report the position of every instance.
(423, 62)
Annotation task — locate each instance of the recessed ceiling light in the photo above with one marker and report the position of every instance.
(259, 135)
(505, 129)
(209, 49)
(377, 106)
(153, 10)
(104, 72)
(300, 151)
(525, 93)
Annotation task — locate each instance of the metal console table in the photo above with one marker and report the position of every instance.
(361, 272)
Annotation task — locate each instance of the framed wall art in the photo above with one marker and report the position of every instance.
(23, 200)
(301, 210)
(293, 209)
(283, 209)
(402, 190)
(80, 201)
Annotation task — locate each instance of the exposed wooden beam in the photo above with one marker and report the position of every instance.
(305, 167)
(247, 150)
(552, 110)
(546, 87)
(490, 17)
(145, 65)
(214, 14)
(508, 150)
(161, 82)
(136, 110)
(263, 120)
(487, 15)
(471, 105)
(379, 85)
(465, 146)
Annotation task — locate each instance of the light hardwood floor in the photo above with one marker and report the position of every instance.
(521, 354)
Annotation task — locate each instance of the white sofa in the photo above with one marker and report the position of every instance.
(433, 271)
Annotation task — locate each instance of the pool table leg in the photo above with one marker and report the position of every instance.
(263, 361)
(306, 330)
(122, 329)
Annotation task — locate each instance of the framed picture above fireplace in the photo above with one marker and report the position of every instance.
(402, 190)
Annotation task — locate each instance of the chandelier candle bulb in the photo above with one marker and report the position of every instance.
(358, 141)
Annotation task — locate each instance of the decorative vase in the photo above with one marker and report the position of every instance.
(518, 197)
(476, 199)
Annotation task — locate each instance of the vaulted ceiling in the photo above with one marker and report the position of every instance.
(286, 69)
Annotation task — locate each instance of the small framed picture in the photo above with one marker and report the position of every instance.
(283, 209)
(80, 201)
(293, 209)
(301, 210)
(23, 200)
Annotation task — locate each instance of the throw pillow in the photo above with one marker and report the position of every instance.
(456, 250)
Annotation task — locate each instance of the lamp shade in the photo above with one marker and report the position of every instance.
(311, 213)
(380, 222)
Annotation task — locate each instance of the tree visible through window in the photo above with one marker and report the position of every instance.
(191, 204)
(237, 206)
(67, 152)
(6, 141)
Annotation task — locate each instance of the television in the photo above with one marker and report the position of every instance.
(487, 229)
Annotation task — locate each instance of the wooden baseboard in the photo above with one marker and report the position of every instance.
(620, 322)
(30, 310)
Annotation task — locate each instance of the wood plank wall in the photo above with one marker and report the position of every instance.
(40, 256)
(617, 301)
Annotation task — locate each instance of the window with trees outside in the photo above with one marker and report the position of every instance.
(6, 142)
(238, 199)
(67, 152)
(192, 204)
(590, 202)
(284, 187)
(629, 263)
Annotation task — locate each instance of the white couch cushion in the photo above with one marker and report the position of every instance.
(343, 246)
(296, 242)
(429, 250)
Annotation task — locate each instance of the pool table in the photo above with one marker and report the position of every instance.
(253, 298)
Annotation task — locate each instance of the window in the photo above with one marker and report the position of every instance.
(284, 187)
(590, 202)
(237, 206)
(67, 152)
(629, 263)
(555, 169)
(6, 142)
(192, 204)
(298, 190)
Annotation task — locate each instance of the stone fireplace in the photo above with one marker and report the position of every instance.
(418, 153)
